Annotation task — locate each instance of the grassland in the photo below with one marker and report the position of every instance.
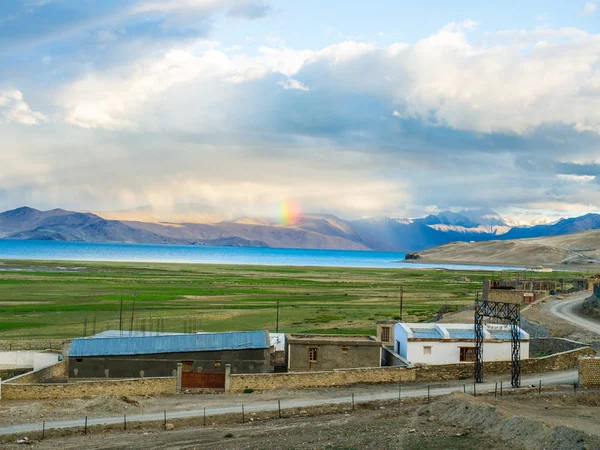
(67, 299)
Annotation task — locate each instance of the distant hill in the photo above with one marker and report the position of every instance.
(320, 231)
(581, 248)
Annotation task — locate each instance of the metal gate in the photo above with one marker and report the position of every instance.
(203, 379)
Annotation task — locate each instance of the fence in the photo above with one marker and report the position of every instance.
(273, 409)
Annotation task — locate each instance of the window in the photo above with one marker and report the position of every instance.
(187, 366)
(79, 359)
(312, 355)
(217, 363)
(427, 350)
(467, 354)
(385, 334)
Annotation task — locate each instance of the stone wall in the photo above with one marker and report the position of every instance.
(32, 344)
(10, 373)
(446, 372)
(136, 387)
(513, 296)
(552, 345)
(589, 372)
(338, 377)
(57, 373)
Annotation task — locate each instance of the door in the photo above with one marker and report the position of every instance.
(203, 379)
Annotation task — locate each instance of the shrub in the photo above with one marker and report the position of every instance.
(248, 391)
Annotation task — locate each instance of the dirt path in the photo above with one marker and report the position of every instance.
(566, 309)
(231, 404)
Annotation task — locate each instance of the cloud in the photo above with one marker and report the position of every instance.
(14, 109)
(589, 9)
(443, 80)
(293, 84)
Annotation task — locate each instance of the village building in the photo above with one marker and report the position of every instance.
(158, 356)
(434, 343)
(316, 352)
(517, 290)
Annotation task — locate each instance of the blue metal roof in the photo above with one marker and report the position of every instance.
(458, 333)
(426, 333)
(148, 345)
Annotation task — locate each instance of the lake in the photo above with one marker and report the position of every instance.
(89, 251)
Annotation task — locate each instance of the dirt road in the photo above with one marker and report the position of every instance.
(566, 309)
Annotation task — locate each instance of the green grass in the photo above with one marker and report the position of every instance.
(55, 299)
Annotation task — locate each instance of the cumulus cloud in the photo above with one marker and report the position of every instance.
(14, 108)
(444, 80)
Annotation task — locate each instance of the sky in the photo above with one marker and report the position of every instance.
(359, 109)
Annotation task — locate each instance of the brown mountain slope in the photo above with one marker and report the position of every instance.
(573, 249)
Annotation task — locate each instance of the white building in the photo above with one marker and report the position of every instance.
(434, 343)
(28, 359)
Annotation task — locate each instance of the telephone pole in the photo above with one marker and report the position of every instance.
(132, 315)
(277, 324)
(401, 301)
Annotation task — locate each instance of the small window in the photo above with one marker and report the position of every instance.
(467, 354)
(217, 363)
(79, 359)
(188, 366)
(312, 355)
(344, 349)
(427, 350)
(385, 334)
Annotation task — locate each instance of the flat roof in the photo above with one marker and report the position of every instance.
(148, 345)
(334, 339)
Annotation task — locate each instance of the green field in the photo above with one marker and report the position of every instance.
(68, 299)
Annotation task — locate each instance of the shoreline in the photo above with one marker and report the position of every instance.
(554, 267)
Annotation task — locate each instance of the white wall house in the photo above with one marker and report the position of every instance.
(433, 343)
(27, 359)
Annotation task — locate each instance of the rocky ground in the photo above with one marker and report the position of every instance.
(557, 420)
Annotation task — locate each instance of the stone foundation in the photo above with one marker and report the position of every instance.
(589, 372)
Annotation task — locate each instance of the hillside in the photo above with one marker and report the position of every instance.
(581, 248)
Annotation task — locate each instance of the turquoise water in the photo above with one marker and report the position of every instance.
(87, 251)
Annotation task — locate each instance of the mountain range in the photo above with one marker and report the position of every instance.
(320, 231)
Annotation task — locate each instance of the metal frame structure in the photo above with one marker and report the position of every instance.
(510, 312)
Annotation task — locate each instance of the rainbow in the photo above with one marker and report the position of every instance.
(290, 213)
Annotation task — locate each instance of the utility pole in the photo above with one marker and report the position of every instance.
(121, 318)
(277, 325)
(401, 301)
(132, 314)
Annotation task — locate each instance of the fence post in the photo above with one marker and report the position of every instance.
(428, 396)
(165, 415)
(242, 413)
(353, 401)
(85, 426)
(474, 390)
(125, 421)
(204, 423)
(496, 390)
(501, 389)
(279, 408)
(399, 392)
(540, 388)
(464, 388)
(43, 429)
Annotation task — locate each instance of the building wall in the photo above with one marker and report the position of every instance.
(345, 377)
(513, 296)
(56, 373)
(401, 337)
(30, 359)
(165, 365)
(332, 356)
(449, 352)
(391, 326)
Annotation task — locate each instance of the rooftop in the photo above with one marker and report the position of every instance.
(336, 339)
(459, 331)
(147, 345)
